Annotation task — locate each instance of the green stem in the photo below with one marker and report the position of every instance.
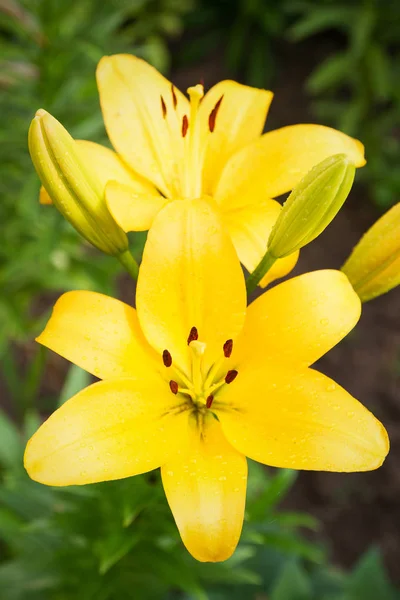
(126, 259)
(262, 268)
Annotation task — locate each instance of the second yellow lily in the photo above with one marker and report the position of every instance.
(205, 146)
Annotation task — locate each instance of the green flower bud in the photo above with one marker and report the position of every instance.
(373, 267)
(72, 184)
(312, 205)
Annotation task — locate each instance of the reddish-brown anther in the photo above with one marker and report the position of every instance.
(173, 386)
(228, 346)
(163, 107)
(230, 376)
(213, 115)
(193, 335)
(185, 125)
(174, 98)
(209, 401)
(167, 358)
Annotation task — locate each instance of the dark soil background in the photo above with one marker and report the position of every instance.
(356, 510)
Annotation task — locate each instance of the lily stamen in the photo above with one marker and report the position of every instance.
(216, 386)
(173, 386)
(167, 358)
(230, 376)
(193, 335)
(187, 392)
(209, 401)
(227, 348)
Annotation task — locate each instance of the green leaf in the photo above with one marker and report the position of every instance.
(76, 380)
(369, 580)
(10, 525)
(337, 17)
(351, 118)
(271, 492)
(114, 549)
(294, 545)
(32, 423)
(379, 71)
(27, 499)
(332, 72)
(292, 584)
(18, 581)
(10, 442)
(294, 520)
(361, 30)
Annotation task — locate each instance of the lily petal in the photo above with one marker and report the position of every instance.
(132, 211)
(110, 430)
(148, 136)
(190, 277)
(300, 420)
(99, 334)
(299, 320)
(107, 165)
(249, 227)
(206, 490)
(282, 157)
(240, 120)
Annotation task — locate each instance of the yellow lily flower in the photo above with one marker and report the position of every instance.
(209, 145)
(193, 382)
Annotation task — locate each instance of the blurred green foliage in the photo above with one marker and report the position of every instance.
(354, 85)
(357, 86)
(49, 50)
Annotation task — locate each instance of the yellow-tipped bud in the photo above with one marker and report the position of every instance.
(72, 185)
(373, 267)
(312, 205)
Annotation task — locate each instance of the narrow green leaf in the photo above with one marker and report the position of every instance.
(380, 71)
(336, 17)
(369, 580)
(274, 491)
(10, 441)
(361, 30)
(114, 549)
(292, 584)
(32, 423)
(332, 72)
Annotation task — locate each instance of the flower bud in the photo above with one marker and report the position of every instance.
(72, 185)
(312, 205)
(373, 267)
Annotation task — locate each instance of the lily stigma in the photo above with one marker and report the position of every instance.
(169, 146)
(193, 381)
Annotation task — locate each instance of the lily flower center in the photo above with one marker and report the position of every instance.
(195, 135)
(200, 387)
